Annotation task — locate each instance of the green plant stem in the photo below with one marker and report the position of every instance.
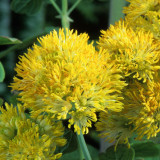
(83, 146)
(64, 15)
(56, 6)
(116, 8)
(64, 12)
(80, 152)
(20, 46)
(73, 6)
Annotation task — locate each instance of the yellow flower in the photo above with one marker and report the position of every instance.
(141, 107)
(22, 138)
(136, 53)
(66, 77)
(140, 116)
(114, 127)
(144, 14)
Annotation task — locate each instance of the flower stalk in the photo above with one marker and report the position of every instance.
(64, 15)
(64, 12)
(83, 146)
(80, 152)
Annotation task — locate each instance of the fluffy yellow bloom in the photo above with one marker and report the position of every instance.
(144, 14)
(140, 116)
(141, 107)
(119, 127)
(114, 127)
(136, 53)
(66, 77)
(22, 138)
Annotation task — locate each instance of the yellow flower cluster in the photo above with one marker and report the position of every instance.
(66, 77)
(141, 107)
(134, 45)
(140, 115)
(134, 52)
(23, 138)
(144, 14)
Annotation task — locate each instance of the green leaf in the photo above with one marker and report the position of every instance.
(125, 153)
(2, 73)
(26, 6)
(146, 149)
(108, 155)
(102, 156)
(93, 152)
(122, 153)
(7, 40)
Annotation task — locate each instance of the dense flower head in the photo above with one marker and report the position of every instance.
(135, 52)
(142, 108)
(114, 127)
(144, 14)
(119, 127)
(133, 45)
(140, 116)
(23, 138)
(66, 77)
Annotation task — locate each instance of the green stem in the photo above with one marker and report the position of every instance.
(56, 6)
(83, 146)
(23, 45)
(73, 6)
(64, 15)
(116, 8)
(80, 152)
